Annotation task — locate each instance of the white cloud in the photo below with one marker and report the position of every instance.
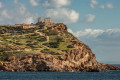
(70, 30)
(34, 3)
(0, 4)
(55, 9)
(109, 35)
(110, 5)
(62, 15)
(29, 20)
(90, 18)
(22, 8)
(98, 33)
(56, 3)
(5, 14)
(89, 33)
(15, 1)
(93, 3)
(102, 6)
(17, 15)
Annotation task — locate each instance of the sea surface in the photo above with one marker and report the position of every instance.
(108, 75)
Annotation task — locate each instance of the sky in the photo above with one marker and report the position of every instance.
(94, 22)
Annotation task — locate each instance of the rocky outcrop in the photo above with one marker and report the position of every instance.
(109, 67)
(79, 58)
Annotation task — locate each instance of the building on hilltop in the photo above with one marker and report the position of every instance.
(39, 20)
(47, 20)
(47, 23)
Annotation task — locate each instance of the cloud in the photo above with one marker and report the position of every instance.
(102, 6)
(22, 8)
(29, 20)
(55, 9)
(89, 33)
(93, 3)
(70, 30)
(90, 18)
(56, 3)
(15, 1)
(18, 14)
(110, 5)
(34, 3)
(0, 4)
(109, 34)
(5, 14)
(63, 15)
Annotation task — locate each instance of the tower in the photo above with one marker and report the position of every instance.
(39, 20)
(47, 20)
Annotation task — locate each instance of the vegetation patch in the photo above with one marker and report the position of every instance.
(48, 51)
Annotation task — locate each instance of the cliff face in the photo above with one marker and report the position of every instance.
(79, 57)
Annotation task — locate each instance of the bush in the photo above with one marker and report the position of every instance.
(70, 46)
(48, 51)
(5, 55)
(74, 42)
(52, 44)
(52, 32)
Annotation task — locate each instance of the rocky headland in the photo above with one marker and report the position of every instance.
(46, 48)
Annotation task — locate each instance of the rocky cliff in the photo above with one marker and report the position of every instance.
(70, 54)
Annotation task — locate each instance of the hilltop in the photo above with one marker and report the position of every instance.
(46, 47)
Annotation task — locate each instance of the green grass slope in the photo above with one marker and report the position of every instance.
(21, 42)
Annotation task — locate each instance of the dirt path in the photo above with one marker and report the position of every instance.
(43, 34)
(47, 37)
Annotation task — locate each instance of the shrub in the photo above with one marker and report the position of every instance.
(48, 51)
(5, 55)
(70, 46)
(74, 42)
(52, 32)
(52, 44)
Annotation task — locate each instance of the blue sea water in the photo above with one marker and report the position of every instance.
(108, 75)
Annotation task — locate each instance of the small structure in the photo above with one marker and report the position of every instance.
(26, 26)
(46, 23)
(47, 20)
(39, 20)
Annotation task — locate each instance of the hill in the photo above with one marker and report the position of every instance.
(45, 48)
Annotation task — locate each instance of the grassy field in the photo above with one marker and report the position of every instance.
(20, 42)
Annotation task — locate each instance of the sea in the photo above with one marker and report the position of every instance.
(104, 75)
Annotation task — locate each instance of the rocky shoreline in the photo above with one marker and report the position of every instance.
(41, 62)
